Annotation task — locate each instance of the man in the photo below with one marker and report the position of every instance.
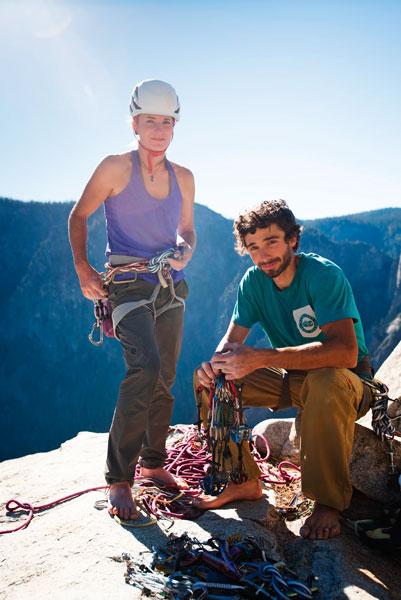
(307, 309)
(148, 201)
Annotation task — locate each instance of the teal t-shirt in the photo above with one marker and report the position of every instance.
(319, 294)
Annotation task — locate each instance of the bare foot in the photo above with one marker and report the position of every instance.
(249, 490)
(165, 477)
(121, 502)
(324, 523)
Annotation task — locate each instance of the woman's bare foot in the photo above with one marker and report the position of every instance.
(121, 502)
(165, 477)
(249, 490)
(324, 523)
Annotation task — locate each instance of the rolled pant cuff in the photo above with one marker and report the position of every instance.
(110, 481)
(149, 464)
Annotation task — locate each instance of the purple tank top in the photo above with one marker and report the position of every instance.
(138, 224)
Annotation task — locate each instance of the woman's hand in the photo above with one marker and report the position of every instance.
(182, 257)
(91, 282)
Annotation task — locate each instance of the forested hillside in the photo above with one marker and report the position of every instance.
(54, 383)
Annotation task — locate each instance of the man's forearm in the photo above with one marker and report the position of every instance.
(315, 355)
(235, 334)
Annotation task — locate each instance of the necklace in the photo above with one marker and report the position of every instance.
(151, 154)
(151, 173)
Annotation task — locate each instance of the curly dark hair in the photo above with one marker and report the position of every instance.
(263, 215)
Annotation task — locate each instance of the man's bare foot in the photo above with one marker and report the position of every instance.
(165, 477)
(249, 490)
(121, 502)
(324, 523)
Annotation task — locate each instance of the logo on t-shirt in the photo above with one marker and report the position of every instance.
(306, 321)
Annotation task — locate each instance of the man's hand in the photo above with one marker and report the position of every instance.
(91, 282)
(207, 374)
(236, 360)
(182, 257)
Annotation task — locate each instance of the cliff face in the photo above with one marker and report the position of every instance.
(54, 383)
(73, 551)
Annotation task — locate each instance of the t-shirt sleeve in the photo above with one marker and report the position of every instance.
(245, 311)
(331, 296)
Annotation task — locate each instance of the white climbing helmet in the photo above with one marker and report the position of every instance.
(154, 97)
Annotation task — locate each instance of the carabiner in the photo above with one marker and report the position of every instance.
(99, 342)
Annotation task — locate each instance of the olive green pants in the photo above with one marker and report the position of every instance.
(151, 340)
(331, 400)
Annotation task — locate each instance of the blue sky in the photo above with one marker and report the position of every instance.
(293, 99)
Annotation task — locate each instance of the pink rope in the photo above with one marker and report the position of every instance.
(187, 458)
(15, 505)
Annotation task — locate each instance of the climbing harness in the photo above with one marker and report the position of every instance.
(106, 319)
(230, 568)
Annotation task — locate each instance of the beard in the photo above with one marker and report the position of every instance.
(285, 261)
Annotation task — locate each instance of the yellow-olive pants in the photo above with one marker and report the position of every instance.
(331, 401)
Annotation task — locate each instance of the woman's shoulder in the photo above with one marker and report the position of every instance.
(183, 174)
(116, 161)
(115, 170)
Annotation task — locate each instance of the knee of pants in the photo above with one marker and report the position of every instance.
(327, 386)
(141, 356)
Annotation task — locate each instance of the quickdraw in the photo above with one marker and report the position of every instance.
(225, 424)
(218, 568)
(103, 324)
(381, 422)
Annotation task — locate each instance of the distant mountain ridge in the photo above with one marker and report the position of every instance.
(54, 383)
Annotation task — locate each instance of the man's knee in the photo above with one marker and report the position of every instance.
(327, 386)
(325, 378)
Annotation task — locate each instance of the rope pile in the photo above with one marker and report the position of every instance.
(188, 458)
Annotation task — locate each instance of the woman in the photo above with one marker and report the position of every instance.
(148, 202)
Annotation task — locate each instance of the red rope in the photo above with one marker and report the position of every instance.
(15, 505)
(187, 458)
(270, 474)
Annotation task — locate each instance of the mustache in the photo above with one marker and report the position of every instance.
(267, 264)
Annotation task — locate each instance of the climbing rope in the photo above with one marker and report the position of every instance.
(153, 265)
(13, 506)
(188, 457)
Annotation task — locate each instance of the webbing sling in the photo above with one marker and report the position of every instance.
(123, 309)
